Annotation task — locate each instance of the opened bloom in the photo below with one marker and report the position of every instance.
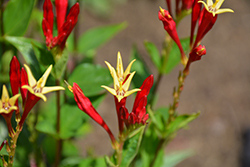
(36, 90)
(208, 17)
(64, 27)
(7, 107)
(170, 27)
(214, 8)
(121, 79)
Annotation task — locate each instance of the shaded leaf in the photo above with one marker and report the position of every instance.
(90, 78)
(153, 54)
(24, 46)
(95, 37)
(142, 71)
(175, 56)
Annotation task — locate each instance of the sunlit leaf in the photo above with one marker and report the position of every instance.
(16, 17)
(131, 147)
(175, 56)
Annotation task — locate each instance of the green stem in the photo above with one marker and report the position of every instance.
(12, 150)
(59, 141)
(160, 145)
(176, 96)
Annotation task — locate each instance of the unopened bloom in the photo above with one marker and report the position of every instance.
(7, 107)
(187, 4)
(169, 6)
(121, 79)
(36, 90)
(15, 78)
(86, 106)
(64, 27)
(138, 115)
(195, 55)
(208, 17)
(170, 27)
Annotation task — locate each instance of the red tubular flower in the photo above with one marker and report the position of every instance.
(170, 27)
(195, 55)
(169, 7)
(64, 28)
(187, 4)
(206, 23)
(24, 81)
(7, 107)
(61, 9)
(86, 106)
(196, 10)
(14, 75)
(177, 10)
(34, 90)
(138, 114)
(208, 17)
(15, 81)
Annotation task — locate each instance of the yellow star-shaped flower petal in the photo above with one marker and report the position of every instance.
(121, 79)
(38, 87)
(214, 8)
(7, 104)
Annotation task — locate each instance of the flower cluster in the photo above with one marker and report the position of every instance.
(122, 80)
(64, 27)
(205, 17)
(31, 92)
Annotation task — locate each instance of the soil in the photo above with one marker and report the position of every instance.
(218, 86)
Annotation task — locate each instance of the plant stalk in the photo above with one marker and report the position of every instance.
(59, 141)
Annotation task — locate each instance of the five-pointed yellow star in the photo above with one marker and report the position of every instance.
(121, 79)
(214, 8)
(7, 104)
(38, 87)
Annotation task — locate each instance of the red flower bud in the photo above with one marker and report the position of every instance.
(170, 27)
(61, 9)
(64, 27)
(86, 106)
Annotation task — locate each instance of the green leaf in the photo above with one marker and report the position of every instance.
(95, 162)
(101, 8)
(90, 78)
(43, 55)
(154, 54)
(131, 147)
(159, 118)
(71, 121)
(95, 37)
(142, 71)
(69, 149)
(16, 16)
(180, 122)
(175, 56)
(24, 46)
(173, 159)
(148, 148)
(5, 66)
